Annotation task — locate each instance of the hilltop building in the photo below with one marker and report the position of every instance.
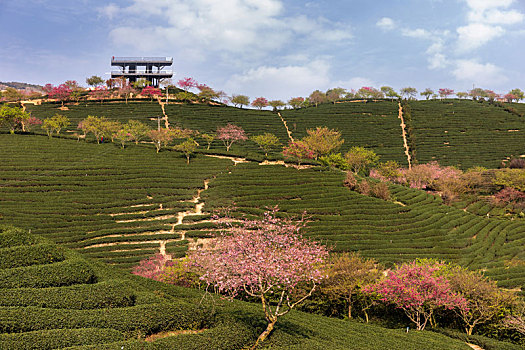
(149, 68)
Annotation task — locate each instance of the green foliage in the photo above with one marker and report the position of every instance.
(12, 117)
(266, 142)
(30, 255)
(513, 178)
(360, 159)
(63, 273)
(110, 294)
(58, 338)
(323, 141)
(334, 160)
(55, 124)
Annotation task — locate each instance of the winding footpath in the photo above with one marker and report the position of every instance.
(286, 127)
(405, 142)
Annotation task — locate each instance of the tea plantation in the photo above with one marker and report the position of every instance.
(466, 133)
(87, 213)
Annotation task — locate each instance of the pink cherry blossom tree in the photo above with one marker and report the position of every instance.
(60, 93)
(266, 259)
(187, 83)
(298, 150)
(152, 267)
(417, 289)
(230, 134)
(151, 91)
(445, 92)
(260, 102)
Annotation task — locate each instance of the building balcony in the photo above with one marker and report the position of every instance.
(162, 73)
(141, 60)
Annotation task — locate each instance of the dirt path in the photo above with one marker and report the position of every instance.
(286, 126)
(162, 106)
(475, 347)
(235, 160)
(405, 142)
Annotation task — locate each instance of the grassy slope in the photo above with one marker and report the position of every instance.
(419, 225)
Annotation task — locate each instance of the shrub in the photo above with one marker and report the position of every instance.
(58, 338)
(54, 275)
(509, 195)
(517, 163)
(364, 187)
(350, 181)
(11, 237)
(380, 190)
(334, 160)
(30, 255)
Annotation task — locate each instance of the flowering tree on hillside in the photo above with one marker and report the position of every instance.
(260, 102)
(230, 134)
(187, 83)
(99, 93)
(298, 150)
(152, 267)
(323, 141)
(151, 91)
(60, 93)
(418, 290)
(266, 259)
(296, 102)
(444, 93)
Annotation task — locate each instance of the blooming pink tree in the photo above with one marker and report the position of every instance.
(60, 93)
(99, 93)
(230, 134)
(187, 83)
(296, 102)
(266, 259)
(298, 150)
(260, 102)
(418, 290)
(151, 91)
(152, 267)
(444, 93)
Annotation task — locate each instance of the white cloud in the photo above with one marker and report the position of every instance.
(386, 23)
(483, 5)
(416, 33)
(250, 27)
(282, 82)
(475, 35)
(109, 11)
(478, 73)
(496, 17)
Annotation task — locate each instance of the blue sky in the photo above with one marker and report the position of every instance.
(272, 48)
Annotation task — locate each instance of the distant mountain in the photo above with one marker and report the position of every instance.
(20, 86)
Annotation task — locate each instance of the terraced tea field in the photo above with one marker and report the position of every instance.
(112, 204)
(372, 125)
(416, 225)
(466, 133)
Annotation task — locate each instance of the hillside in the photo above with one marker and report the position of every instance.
(52, 298)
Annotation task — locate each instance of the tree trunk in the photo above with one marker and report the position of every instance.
(469, 330)
(265, 334)
(349, 306)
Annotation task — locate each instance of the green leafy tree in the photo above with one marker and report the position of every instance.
(209, 139)
(296, 102)
(485, 301)
(188, 147)
(409, 92)
(346, 274)
(389, 92)
(427, 93)
(335, 94)
(519, 95)
(266, 142)
(361, 159)
(323, 141)
(161, 138)
(317, 97)
(461, 95)
(137, 130)
(12, 94)
(240, 100)
(55, 124)
(122, 136)
(13, 117)
(276, 104)
(94, 80)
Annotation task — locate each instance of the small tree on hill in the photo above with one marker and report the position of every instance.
(518, 94)
(409, 92)
(296, 102)
(260, 103)
(94, 81)
(361, 159)
(484, 300)
(427, 93)
(240, 100)
(161, 138)
(323, 141)
(60, 93)
(266, 259)
(209, 139)
(122, 136)
(347, 273)
(417, 289)
(461, 95)
(445, 92)
(230, 134)
(150, 91)
(100, 93)
(137, 130)
(335, 94)
(318, 97)
(389, 92)
(55, 123)
(276, 104)
(266, 142)
(13, 117)
(187, 147)
(298, 150)
(187, 83)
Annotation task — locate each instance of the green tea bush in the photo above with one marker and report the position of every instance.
(30, 255)
(58, 338)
